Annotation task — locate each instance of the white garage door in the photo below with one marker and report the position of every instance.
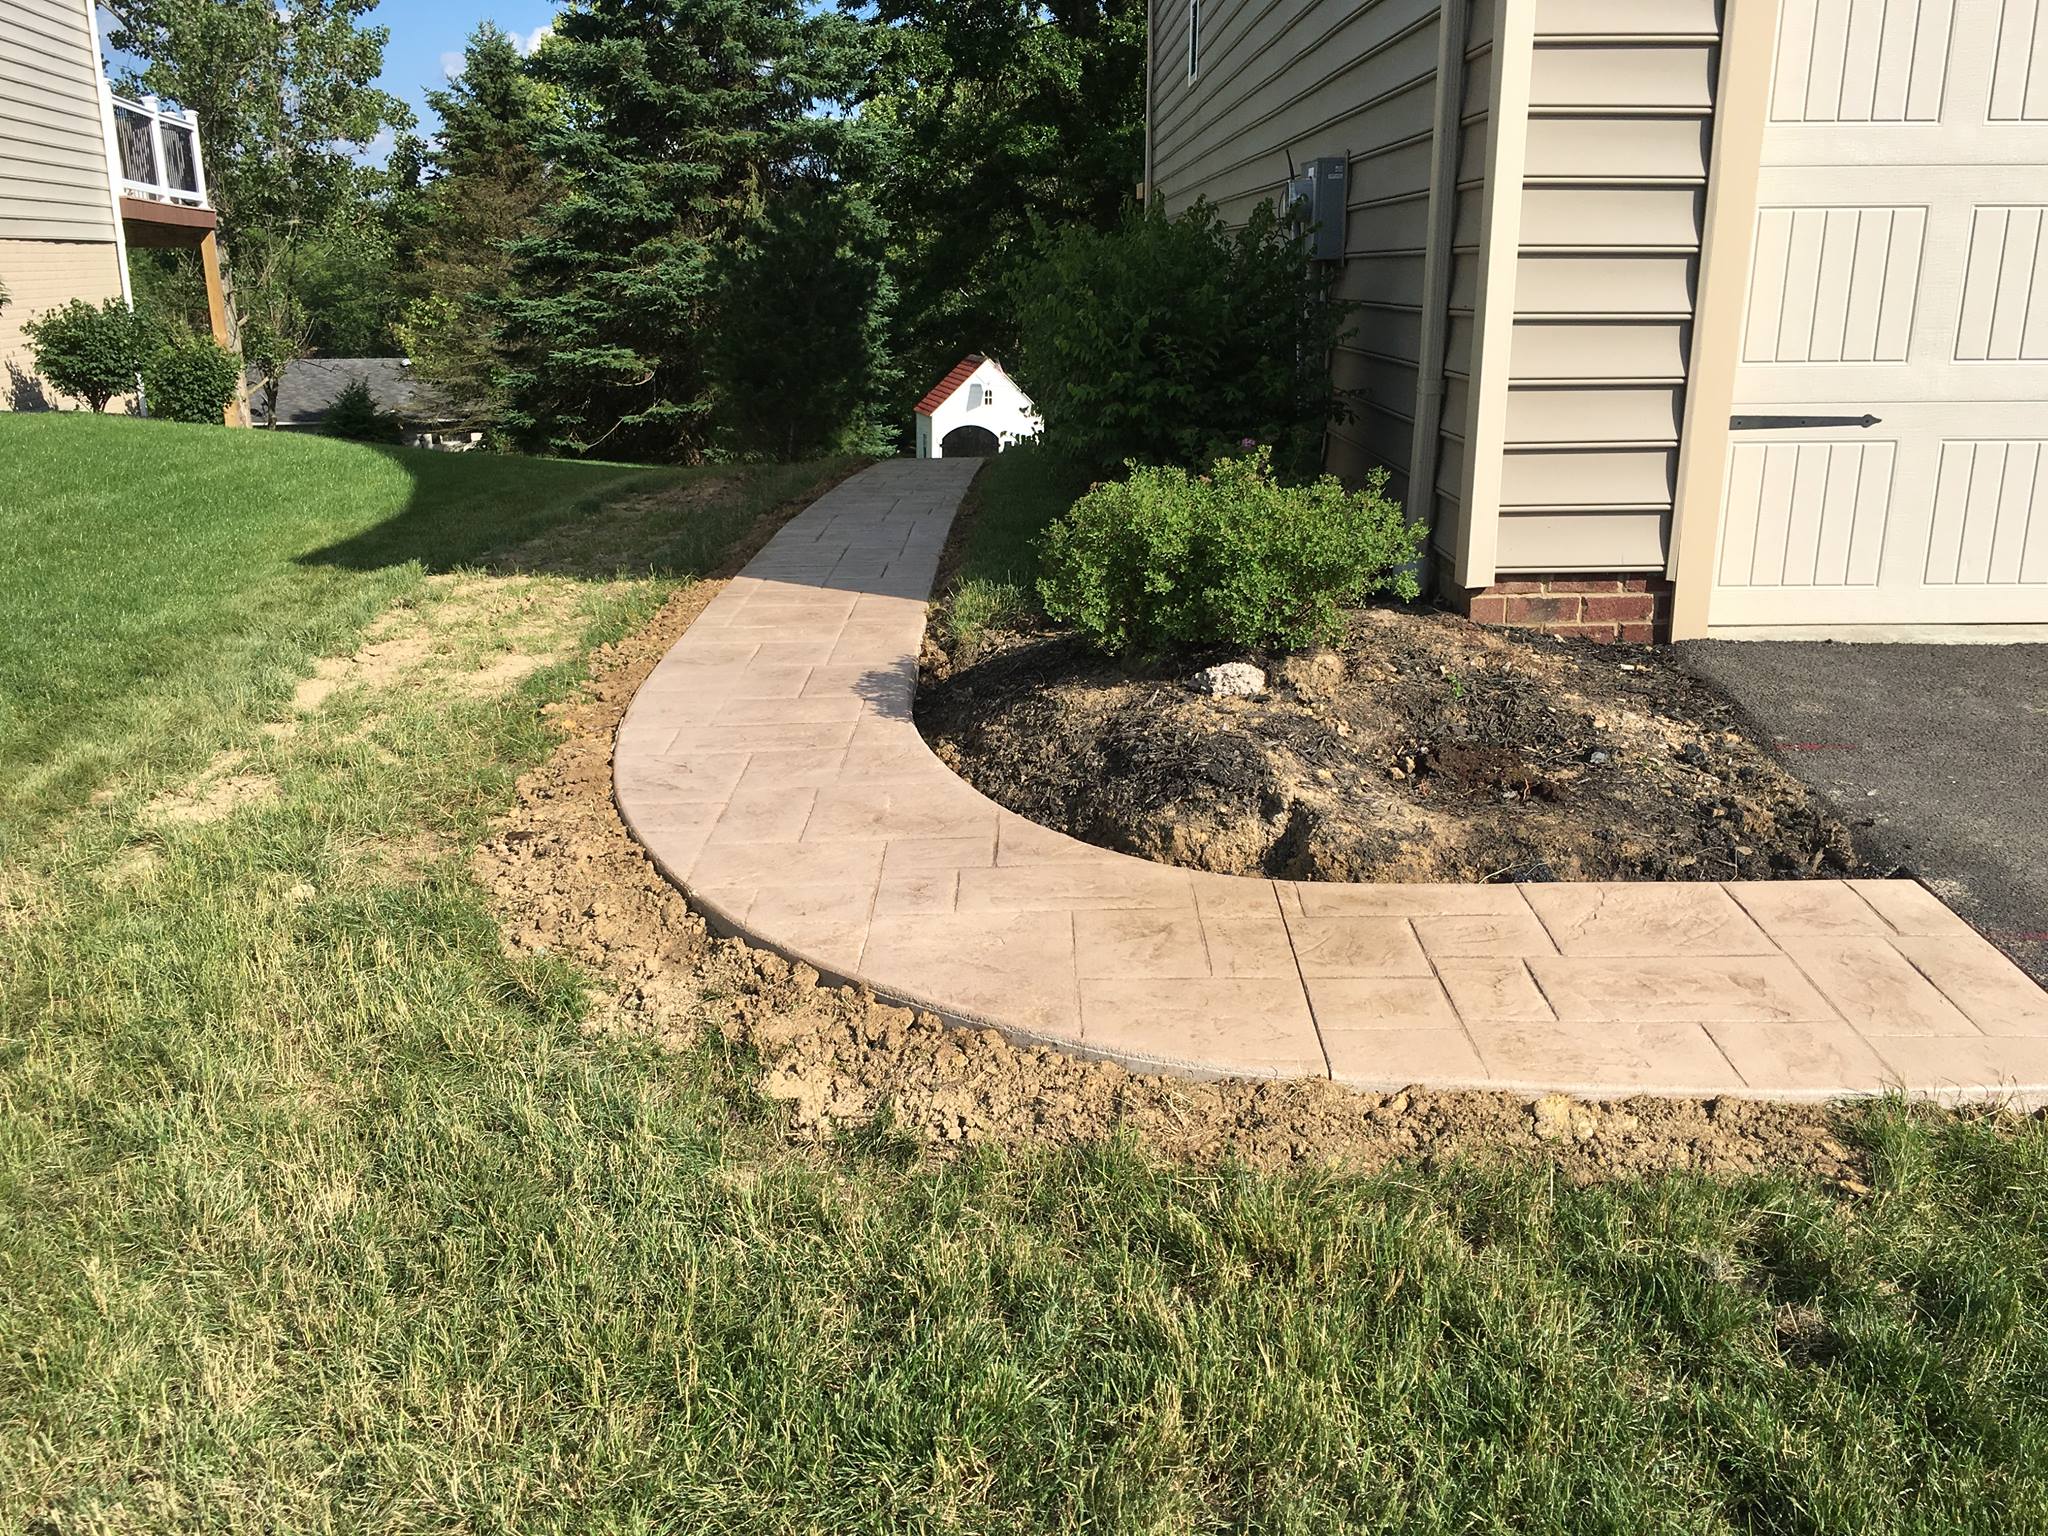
(1889, 448)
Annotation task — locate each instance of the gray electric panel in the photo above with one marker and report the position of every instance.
(1316, 199)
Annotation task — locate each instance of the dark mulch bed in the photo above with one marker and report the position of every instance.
(1423, 748)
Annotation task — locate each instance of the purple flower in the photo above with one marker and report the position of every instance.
(1249, 442)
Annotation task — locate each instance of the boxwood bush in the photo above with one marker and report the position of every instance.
(1234, 557)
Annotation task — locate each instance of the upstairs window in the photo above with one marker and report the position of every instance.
(1194, 39)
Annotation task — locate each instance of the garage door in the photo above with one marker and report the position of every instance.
(1889, 447)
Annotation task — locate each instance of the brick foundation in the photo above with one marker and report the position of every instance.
(1627, 607)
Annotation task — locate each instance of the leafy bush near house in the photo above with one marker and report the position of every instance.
(1168, 341)
(354, 415)
(1167, 558)
(190, 378)
(90, 352)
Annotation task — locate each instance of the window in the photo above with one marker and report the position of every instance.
(976, 397)
(1194, 39)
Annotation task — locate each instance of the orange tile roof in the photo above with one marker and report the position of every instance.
(952, 381)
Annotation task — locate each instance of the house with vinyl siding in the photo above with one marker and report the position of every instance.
(1675, 316)
(84, 175)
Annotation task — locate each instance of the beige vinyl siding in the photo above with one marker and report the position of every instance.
(1621, 97)
(1283, 80)
(53, 161)
(41, 275)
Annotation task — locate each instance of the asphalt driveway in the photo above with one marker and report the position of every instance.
(1938, 754)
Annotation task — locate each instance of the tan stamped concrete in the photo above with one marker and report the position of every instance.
(771, 767)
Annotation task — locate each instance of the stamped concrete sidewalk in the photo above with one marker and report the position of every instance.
(771, 767)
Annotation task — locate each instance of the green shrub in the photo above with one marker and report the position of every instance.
(90, 352)
(354, 415)
(1169, 341)
(190, 378)
(1233, 556)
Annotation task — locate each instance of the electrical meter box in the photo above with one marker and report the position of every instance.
(1316, 200)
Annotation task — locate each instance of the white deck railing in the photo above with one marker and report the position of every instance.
(159, 152)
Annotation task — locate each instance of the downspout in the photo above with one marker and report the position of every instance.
(1438, 263)
(1151, 86)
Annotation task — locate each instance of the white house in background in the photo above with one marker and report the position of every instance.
(976, 412)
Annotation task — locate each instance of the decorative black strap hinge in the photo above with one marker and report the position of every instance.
(1768, 423)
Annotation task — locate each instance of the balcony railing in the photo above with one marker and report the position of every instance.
(159, 149)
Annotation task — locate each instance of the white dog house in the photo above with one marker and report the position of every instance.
(976, 412)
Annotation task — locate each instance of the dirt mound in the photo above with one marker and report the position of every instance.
(1424, 748)
(568, 878)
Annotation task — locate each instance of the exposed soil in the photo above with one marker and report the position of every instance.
(215, 795)
(569, 879)
(1423, 748)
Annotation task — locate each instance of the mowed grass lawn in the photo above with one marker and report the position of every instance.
(319, 1211)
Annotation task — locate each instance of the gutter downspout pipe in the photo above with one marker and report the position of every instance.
(1446, 143)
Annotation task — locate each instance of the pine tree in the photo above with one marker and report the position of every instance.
(685, 117)
(800, 357)
(487, 188)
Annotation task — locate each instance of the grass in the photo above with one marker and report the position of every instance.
(157, 583)
(1017, 495)
(321, 1211)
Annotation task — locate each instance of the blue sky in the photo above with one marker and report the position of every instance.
(427, 38)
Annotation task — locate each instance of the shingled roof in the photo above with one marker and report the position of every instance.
(952, 381)
(312, 385)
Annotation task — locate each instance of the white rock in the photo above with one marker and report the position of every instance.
(1232, 680)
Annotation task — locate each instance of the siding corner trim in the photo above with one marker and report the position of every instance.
(1474, 557)
(1748, 41)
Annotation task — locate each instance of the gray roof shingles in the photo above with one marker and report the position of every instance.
(313, 384)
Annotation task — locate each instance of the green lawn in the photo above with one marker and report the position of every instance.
(157, 582)
(1017, 495)
(319, 1211)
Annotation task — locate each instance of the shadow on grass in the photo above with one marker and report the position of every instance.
(517, 516)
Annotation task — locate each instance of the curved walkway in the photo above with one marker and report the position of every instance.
(771, 767)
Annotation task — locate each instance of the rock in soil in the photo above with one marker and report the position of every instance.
(1231, 680)
(1422, 748)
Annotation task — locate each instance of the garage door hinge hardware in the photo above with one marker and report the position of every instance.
(1767, 423)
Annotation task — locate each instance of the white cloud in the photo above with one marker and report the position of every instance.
(533, 39)
(451, 65)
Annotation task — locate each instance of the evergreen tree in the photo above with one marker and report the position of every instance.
(684, 117)
(487, 187)
(800, 355)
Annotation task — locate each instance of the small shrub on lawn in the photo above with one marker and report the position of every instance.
(1231, 557)
(1167, 341)
(190, 378)
(90, 352)
(354, 415)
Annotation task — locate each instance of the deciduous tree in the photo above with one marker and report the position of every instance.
(996, 116)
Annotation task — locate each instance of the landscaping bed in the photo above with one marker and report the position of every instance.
(1420, 748)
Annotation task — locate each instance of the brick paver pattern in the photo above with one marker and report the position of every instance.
(772, 768)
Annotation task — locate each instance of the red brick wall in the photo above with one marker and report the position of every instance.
(1625, 607)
